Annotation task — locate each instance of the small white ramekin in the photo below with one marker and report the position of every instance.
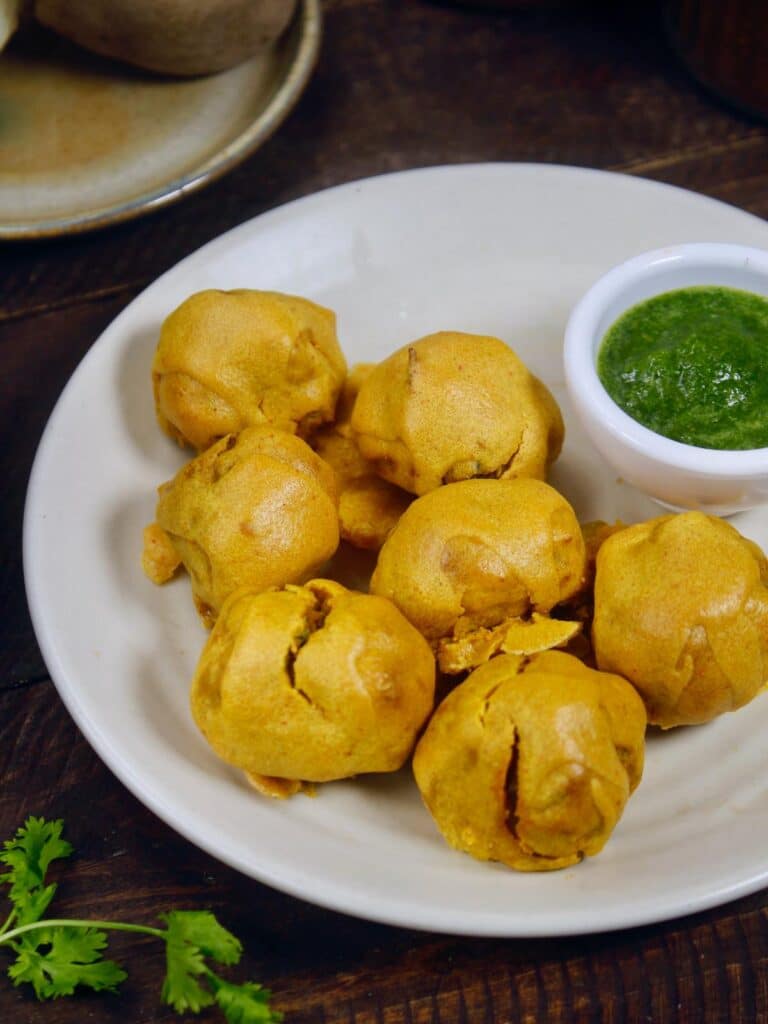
(679, 476)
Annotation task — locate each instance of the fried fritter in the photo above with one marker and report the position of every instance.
(481, 554)
(369, 507)
(232, 359)
(453, 406)
(681, 610)
(530, 761)
(312, 683)
(257, 509)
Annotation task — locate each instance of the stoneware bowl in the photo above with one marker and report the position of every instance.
(678, 476)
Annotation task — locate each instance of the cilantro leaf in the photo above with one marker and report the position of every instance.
(244, 1004)
(200, 928)
(56, 960)
(80, 945)
(32, 905)
(56, 956)
(184, 964)
(28, 855)
(30, 852)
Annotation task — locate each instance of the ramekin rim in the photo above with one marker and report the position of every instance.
(580, 347)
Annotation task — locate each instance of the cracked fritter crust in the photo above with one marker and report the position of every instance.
(478, 553)
(530, 761)
(312, 683)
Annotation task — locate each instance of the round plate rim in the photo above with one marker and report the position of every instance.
(308, 27)
(338, 898)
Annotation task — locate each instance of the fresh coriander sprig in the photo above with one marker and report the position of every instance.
(56, 955)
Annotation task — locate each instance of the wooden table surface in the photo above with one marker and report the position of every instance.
(400, 83)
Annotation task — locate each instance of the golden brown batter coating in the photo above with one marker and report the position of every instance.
(232, 359)
(513, 636)
(530, 761)
(681, 610)
(477, 553)
(453, 406)
(369, 507)
(159, 558)
(312, 683)
(257, 509)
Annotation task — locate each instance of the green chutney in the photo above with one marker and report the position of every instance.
(692, 365)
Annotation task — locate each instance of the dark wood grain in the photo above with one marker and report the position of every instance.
(401, 83)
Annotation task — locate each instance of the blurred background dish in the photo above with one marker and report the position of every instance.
(86, 142)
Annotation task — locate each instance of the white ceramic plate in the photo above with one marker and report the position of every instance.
(496, 249)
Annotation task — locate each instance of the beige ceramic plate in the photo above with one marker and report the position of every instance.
(85, 142)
